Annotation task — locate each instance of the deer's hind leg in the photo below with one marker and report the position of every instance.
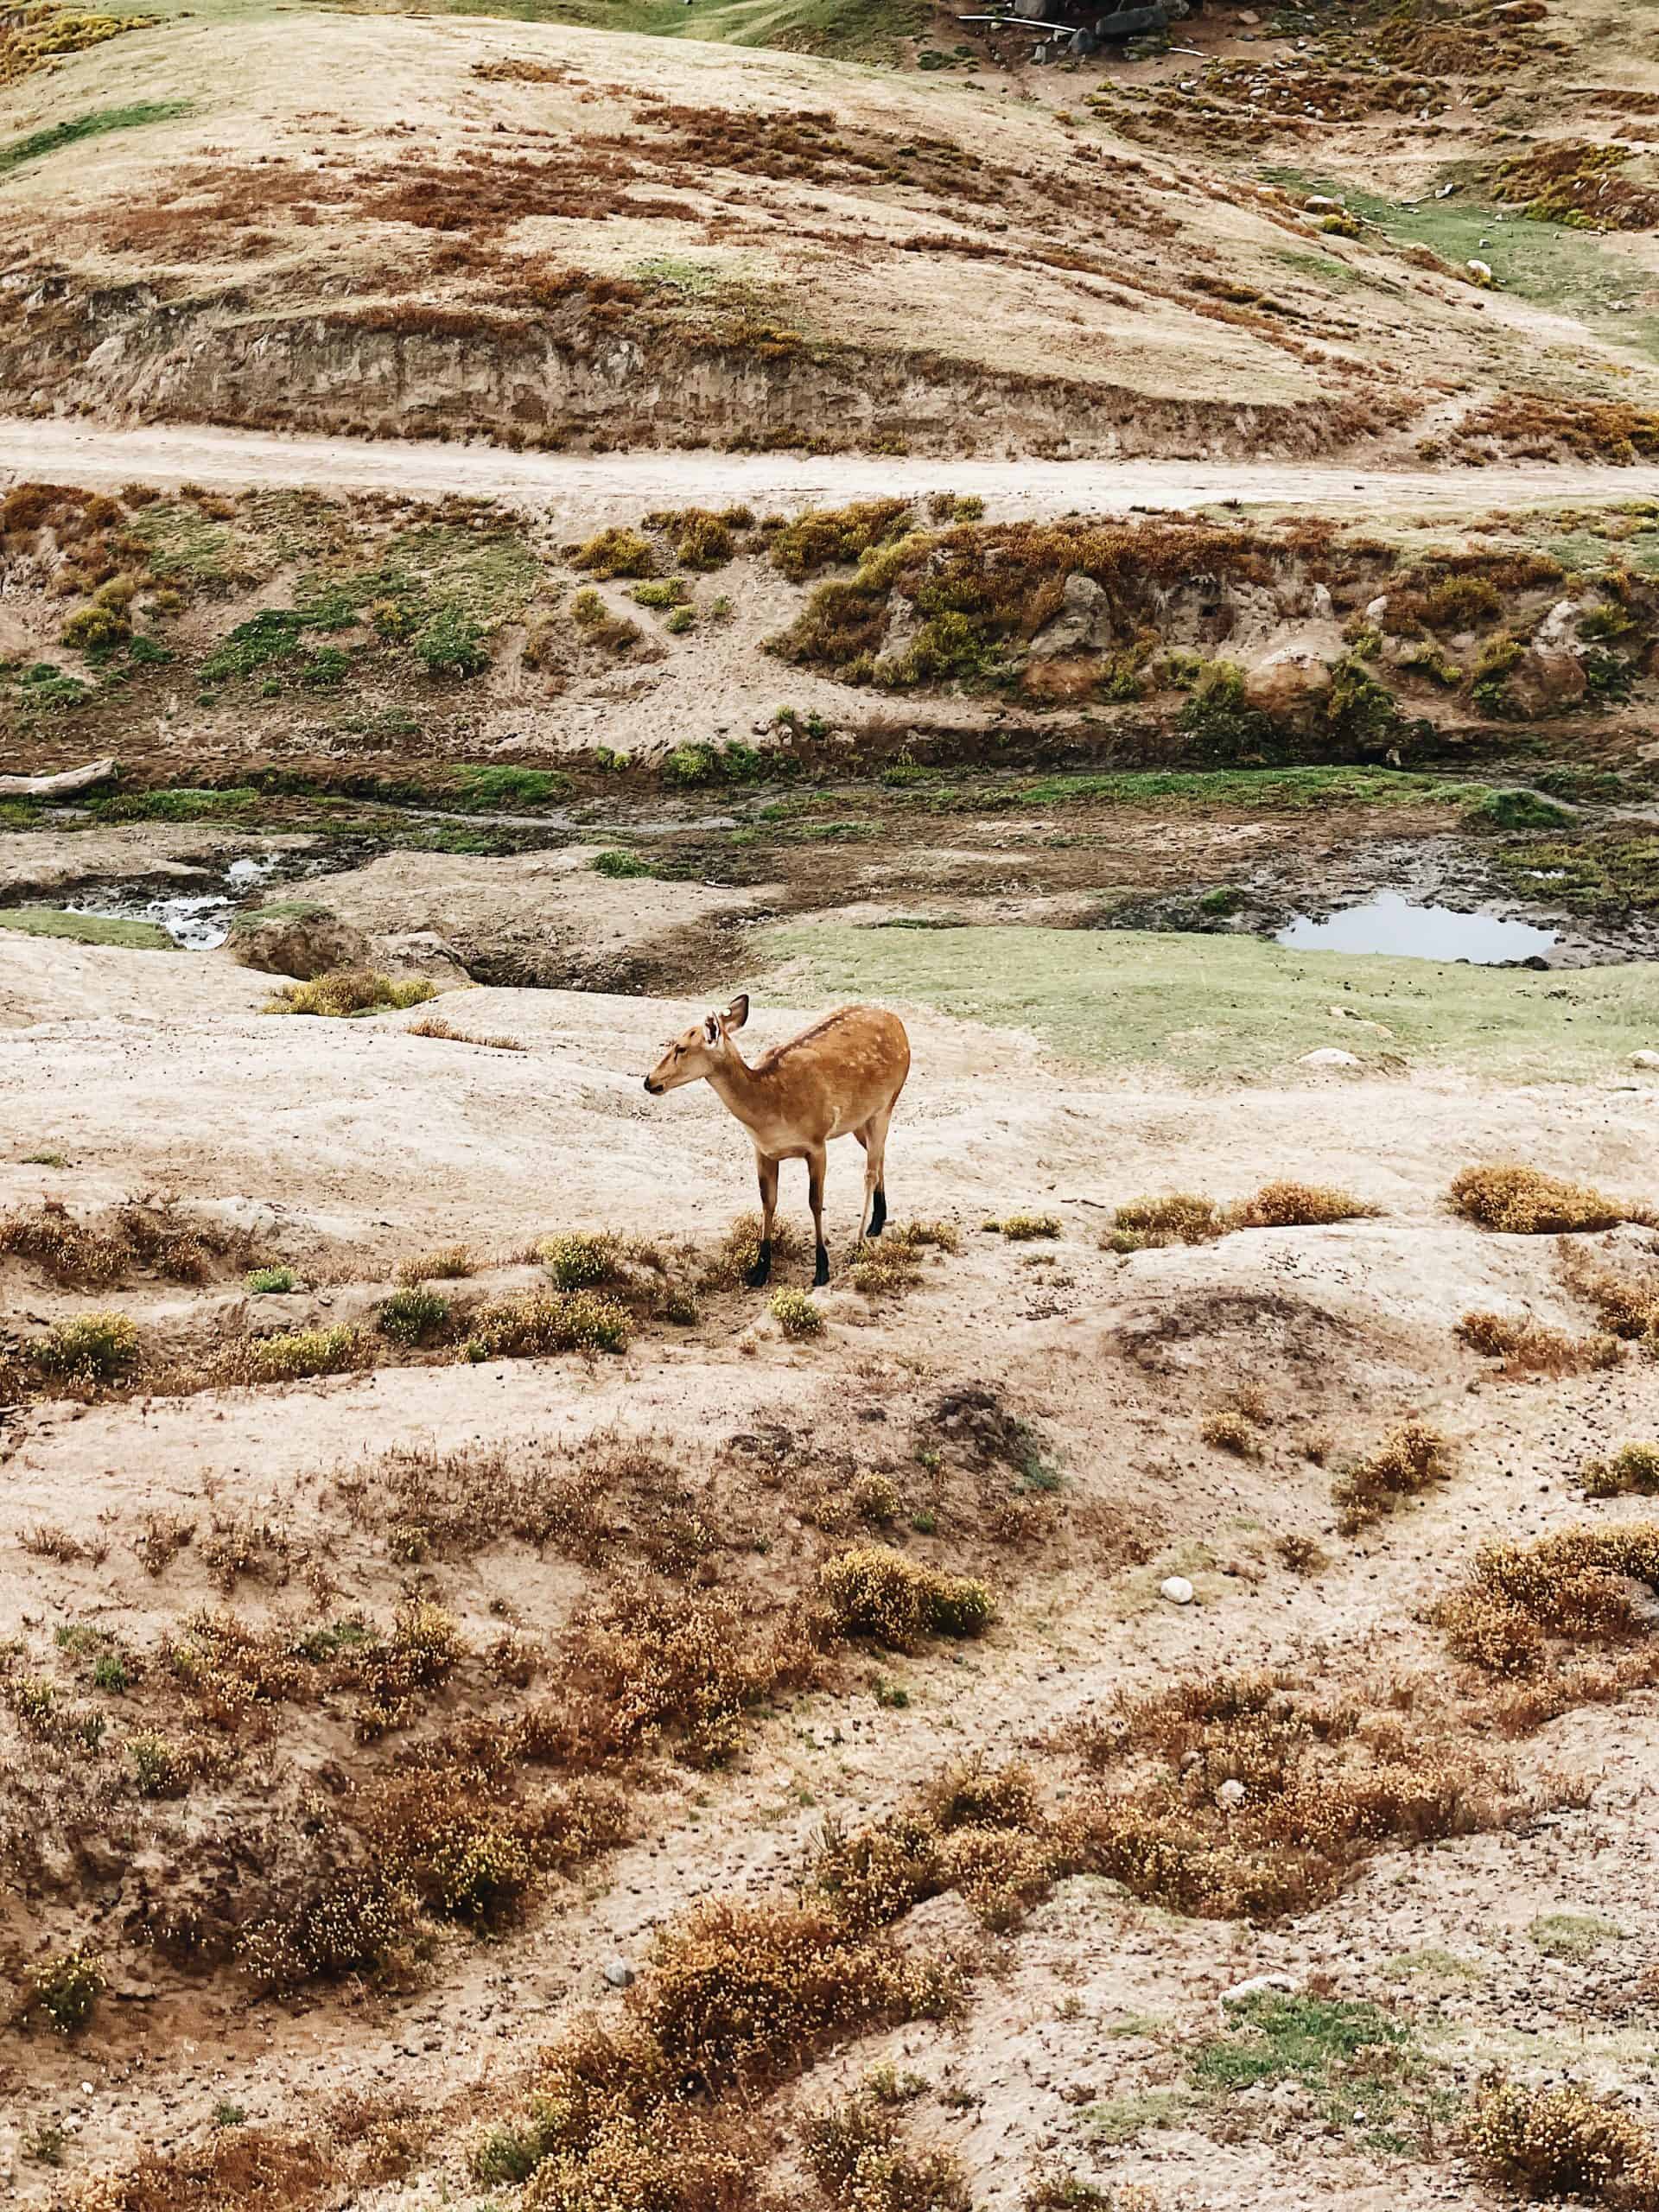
(767, 1170)
(873, 1138)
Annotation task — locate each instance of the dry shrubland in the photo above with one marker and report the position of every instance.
(1411, 1458)
(1524, 1202)
(1564, 2142)
(1582, 1584)
(1527, 1347)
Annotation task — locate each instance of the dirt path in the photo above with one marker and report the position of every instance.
(578, 488)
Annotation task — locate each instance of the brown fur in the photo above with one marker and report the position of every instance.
(841, 1078)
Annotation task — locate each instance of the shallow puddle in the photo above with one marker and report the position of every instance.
(1390, 922)
(196, 920)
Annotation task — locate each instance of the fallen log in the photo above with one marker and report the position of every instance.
(61, 786)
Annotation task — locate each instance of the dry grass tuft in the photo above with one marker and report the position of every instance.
(445, 1263)
(855, 2152)
(546, 1322)
(433, 1025)
(349, 992)
(1410, 1459)
(872, 1591)
(1529, 1347)
(1565, 2142)
(1628, 1307)
(1631, 1472)
(1524, 1201)
(147, 1234)
(741, 1248)
(1230, 1430)
(1188, 1218)
(1587, 1583)
(797, 1316)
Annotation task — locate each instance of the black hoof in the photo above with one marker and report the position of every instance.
(821, 1273)
(760, 1273)
(878, 1214)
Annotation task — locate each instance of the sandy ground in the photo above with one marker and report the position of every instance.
(157, 1072)
(583, 490)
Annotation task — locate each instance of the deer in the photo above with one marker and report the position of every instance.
(841, 1078)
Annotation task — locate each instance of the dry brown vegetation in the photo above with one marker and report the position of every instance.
(1589, 1585)
(1632, 1470)
(1527, 1347)
(144, 1236)
(1524, 1202)
(1564, 2142)
(1410, 1459)
(1186, 1217)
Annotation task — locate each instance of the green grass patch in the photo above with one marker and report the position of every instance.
(178, 802)
(52, 140)
(849, 31)
(1210, 1006)
(1573, 1934)
(1362, 2068)
(1277, 791)
(1589, 875)
(87, 928)
(492, 790)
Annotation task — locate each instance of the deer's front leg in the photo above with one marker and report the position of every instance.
(815, 1161)
(767, 1170)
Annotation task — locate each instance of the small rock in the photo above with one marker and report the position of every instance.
(619, 1973)
(1644, 1060)
(1376, 609)
(1177, 1589)
(1328, 1056)
(1230, 1793)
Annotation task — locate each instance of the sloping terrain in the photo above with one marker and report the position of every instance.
(579, 237)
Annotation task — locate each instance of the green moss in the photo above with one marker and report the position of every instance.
(39, 143)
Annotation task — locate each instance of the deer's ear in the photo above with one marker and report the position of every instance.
(738, 1012)
(711, 1028)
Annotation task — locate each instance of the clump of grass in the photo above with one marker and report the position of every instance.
(295, 1355)
(1410, 1459)
(828, 537)
(1188, 1218)
(70, 1252)
(268, 1282)
(1566, 2142)
(547, 1322)
(1632, 1470)
(616, 552)
(1572, 1934)
(413, 1315)
(1230, 1430)
(855, 2152)
(1529, 1347)
(445, 1263)
(89, 1349)
(352, 1922)
(1579, 1585)
(1025, 1228)
(875, 1591)
(433, 1025)
(580, 1260)
(1524, 1202)
(1627, 1307)
(66, 1988)
(797, 1315)
(350, 991)
(619, 865)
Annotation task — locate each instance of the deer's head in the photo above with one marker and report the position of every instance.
(700, 1052)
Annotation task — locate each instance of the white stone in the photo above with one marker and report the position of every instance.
(619, 1973)
(1328, 1056)
(1378, 608)
(1230, 1793)
(1258, 1985)
(1644, 1060)
(1177, 1589)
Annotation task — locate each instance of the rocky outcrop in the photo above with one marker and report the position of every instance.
(298, 938)
(1292, 687)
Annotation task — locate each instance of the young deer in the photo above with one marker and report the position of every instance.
(841, 1077)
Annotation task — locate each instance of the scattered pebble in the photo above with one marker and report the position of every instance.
(1177, 1589)
(619, 1973)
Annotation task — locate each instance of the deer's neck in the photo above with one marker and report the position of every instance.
(739, 1089)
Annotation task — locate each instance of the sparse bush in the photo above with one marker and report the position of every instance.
(1524, 1201)
(413, 1316)
(619, 865)
(351, 1921)
(66, 1989)
(533, 1327)
(616, 552)
(740, 1249)
(873, 1590)
(160, 1767)
(855, 2152)
(797, 1315)
(1632, 1470)
(1025, 1228)
(1579, 1585)
(89, 1349)
(295, 1355)
(1230, 1430)
(1529, 1347)
(579, 1261)
(268, 1282)
(350, 991)
(449, 643)
(705, 539)
(1564, 2142)
(829, 537)
(447, 1263)
(1187, 1218)
(1412, 1457)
